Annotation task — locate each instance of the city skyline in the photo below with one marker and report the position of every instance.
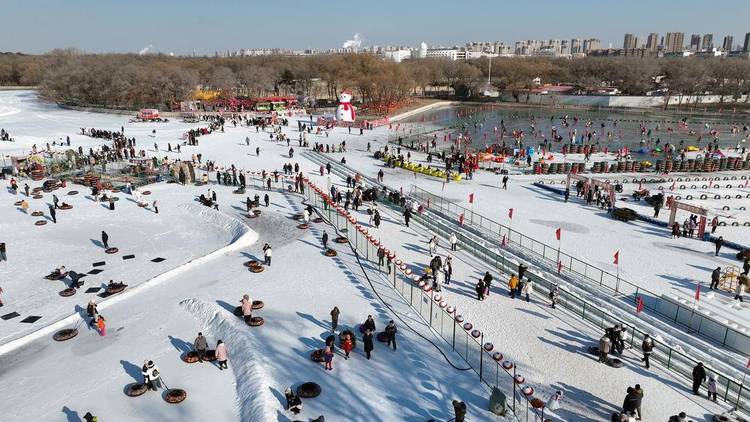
(47, 24)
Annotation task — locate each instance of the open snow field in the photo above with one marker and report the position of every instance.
(202, 278)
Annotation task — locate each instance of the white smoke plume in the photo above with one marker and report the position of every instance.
(356, 42)
(145, 49)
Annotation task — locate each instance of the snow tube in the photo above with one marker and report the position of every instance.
(476, 333)
(459, 319)
(341, 239)
(382, 336)
(67, 292)
(257, 304)
(728, 197)
(528, 390)
(742, 208)
(443, 303)
(468, 326)
(729, 186)
(689, 197)
(18, 203)
(427, 288)
(421, 284)
(693, 187)
(317, 220)
(56, 276)
(407, 271)
(37, 214)
(146, 192)
(451, 309)
(40, 222)
(135, 389)
(251, 215)
(415, 279)
(330, 252)
(519, 379)
(65, 334)
(317, 355)
(537, 403)
(717, 196)
(735, 224)
(704, 196)
(37, 196)
(256, 321)
(303, 226)
(251, 263)
(614, 362)
(488, 346)
(66, 207)
(256, 269)
(437, 298)
(175, 395)
(308, 390)
(719, 418)
(738, 196)
(115, 289)
(507, 365)
(73, 192)
(725, 208)
(111, 250)
(497, 356)
(682, 186)
(256, 212)
(402, 267)
(190, 357)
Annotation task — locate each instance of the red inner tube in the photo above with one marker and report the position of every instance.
(40, 222)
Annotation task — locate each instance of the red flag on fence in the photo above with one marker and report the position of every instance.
(617, 258)
(748, 363)
(558, 232)
(471, 198)
(461, 219)
(698, 292)
(510, 212)
(638, 305)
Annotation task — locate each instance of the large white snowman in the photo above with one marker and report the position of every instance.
(345, 111)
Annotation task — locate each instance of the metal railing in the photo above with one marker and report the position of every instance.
(426, 303)
(729, 388)
(671, 310)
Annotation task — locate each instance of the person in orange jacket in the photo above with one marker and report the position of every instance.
(347, 344)
(512, 285)
(101, 326)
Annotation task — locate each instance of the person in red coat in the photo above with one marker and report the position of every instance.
(347, 344)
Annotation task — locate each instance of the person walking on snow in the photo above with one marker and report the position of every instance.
(699, 376)
(604, 348)
(711, 385)
(105, 239)
(324, 239)
(154, 375)
(741, 280)
(527, 289)
(719, 243)
(101, 326)
(512, 284)
(92, 312)
(328, 357)
(247, 308)
(334, 318)
(367, 342)
(647, 346)
(715, 278)
(221, 355)
(554, 293)
(433, 245)
(390, 332)
(347, 344)
(453, 241)
(305, 216)
(267, 253)
(448, 270)
(459, 409)
(480, 289)
(369, 324)
(200, 345)
(407, 216)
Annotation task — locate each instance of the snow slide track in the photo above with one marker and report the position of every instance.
(242, 237)
(255, 398)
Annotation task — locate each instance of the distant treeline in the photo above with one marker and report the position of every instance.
(133, 81)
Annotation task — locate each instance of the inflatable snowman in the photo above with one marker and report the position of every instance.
(345, 111)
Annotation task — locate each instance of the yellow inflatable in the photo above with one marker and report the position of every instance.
(693, 148)
(646, 164)
(429, 171)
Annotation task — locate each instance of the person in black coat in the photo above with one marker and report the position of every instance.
(407, 216)
(293, 402)
(459, 408)
(522, 270)
(390, 331)
(719, 243)
(324, 239)
(487, 282)
(631, 402)
(715, 278)
(367, 342)
(334, 318)
(369, 324)
(105, 239)
(699, 376)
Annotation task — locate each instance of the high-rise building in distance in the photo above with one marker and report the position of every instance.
(695, 42)
(630, 42)
(575, 46)
(708, 42)
(673, 42)
(591, 44)
(746, 46)
(652, 43)
(727, 44)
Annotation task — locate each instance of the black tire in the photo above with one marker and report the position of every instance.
(704, 196)
(175, 395)
(70, 291)
(317, 356)
(256, 321)
(65, 334)
(725, 208)
(258, 304)
(308, 390)
(689, 197)
(717, 196)
(135, 389)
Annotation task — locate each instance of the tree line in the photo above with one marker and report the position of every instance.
(133, 81)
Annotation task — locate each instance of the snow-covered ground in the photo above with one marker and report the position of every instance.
(196, 288)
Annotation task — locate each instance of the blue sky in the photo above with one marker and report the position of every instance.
(36, 26)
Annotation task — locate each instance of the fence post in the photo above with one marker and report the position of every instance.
(481, 357)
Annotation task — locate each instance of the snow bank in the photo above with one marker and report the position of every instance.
(255, 397)
(242, 237)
